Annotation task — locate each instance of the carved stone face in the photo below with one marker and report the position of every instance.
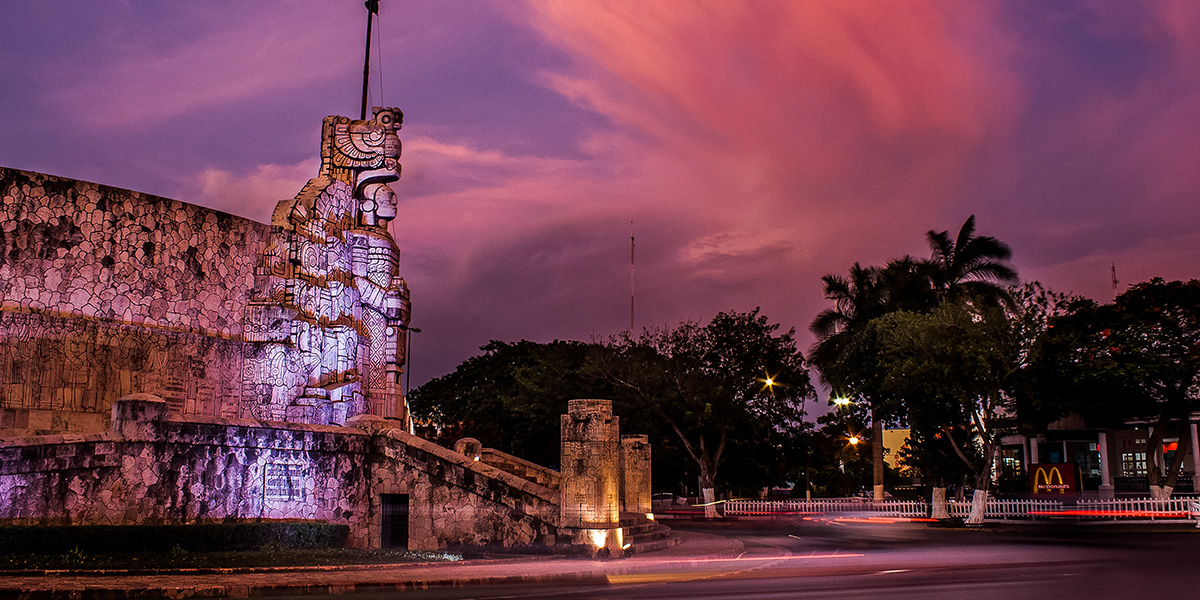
(366, 154)
(379, 199)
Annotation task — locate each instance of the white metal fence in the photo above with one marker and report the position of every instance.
(1145, 508)
(885, 508)
(1006, 509)
(1121, 508)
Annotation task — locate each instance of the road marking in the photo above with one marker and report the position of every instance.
(894, 571)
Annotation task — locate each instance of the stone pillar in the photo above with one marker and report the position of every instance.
(1195, 457)
(1033, 450)
(635, 474)
(139, 417)
(589, 503)
(1106, 486)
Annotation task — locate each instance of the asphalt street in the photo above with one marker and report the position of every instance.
(845, 559)
(818, 557)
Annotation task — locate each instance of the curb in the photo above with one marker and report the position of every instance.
(248, 570)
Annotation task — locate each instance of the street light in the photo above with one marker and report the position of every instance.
(876, 446)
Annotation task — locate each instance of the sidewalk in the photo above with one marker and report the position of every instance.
(250, 582)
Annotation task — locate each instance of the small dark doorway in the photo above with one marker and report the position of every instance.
(394, 509)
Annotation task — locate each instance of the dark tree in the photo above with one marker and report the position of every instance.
(1135, 359)
(733, 386)
(510, 397)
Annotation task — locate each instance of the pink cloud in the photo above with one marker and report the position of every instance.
(253, 195)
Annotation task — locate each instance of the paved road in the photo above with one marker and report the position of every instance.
(794, 558)
(838, 559)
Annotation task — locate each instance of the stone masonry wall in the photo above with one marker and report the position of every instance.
(458, 502)
(104, 292)
(77, 248)
(157, 467)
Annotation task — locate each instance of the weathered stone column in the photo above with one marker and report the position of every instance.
(588, 499)
(1106, 486)
(1033, 450)
(635, 474)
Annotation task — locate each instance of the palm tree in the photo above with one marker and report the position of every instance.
(969, 266)
(866, 294)
(856, 300)
(969, 269)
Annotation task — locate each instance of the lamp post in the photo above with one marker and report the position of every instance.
(876, 448)
(408, 357)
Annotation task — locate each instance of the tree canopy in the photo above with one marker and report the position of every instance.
(1137, 358)
(729, 392)
(732, 387)
(857, 341)
(510, 397)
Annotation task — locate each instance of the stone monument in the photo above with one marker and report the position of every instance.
(107, 292)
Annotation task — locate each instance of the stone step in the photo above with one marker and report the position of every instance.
(636, 528)
(648, 536)
(651, 546)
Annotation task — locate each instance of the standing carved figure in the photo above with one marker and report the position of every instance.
(330, 301)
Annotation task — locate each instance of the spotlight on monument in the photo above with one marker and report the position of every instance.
(599, 537)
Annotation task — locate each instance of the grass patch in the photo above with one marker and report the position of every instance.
(199, 537)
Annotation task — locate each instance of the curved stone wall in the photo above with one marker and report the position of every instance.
(82, 249)
(158, 467)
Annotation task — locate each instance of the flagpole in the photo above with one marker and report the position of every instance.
(372, 8)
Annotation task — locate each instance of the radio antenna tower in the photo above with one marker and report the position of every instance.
(631, 279)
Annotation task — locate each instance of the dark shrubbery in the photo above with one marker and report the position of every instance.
(204, 537)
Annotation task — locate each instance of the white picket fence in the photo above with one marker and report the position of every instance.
(886, 508)
(1121, 508)
(1005, 508)
(1145, 508)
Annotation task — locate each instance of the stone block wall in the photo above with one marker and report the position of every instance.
(76, 248)
(155, 466)
(61, 374)
(105, 292)
(458, 502)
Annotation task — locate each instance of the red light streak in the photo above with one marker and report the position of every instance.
(1152, 514)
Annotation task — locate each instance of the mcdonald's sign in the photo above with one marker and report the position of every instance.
(1054, 478)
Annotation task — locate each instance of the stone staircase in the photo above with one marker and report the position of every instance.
(645, 535)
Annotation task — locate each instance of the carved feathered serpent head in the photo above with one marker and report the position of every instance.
(365, 154)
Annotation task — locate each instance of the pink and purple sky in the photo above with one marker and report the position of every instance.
(755, 145)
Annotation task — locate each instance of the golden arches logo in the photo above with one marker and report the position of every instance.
(1044, 480)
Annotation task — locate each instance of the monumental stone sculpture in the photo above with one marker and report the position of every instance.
(164, 362)
(109, 292)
